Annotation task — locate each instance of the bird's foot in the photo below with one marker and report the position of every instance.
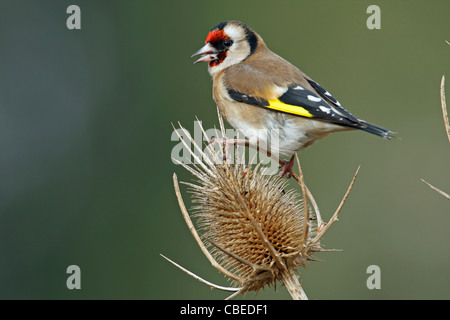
(286, 168)
(285, 165)
(228, 143)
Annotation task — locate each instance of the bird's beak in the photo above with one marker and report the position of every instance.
(209, 53)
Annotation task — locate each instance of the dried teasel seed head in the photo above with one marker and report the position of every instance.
(232, 204)
(251, 226)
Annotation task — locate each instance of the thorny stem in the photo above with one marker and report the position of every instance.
(290, 280)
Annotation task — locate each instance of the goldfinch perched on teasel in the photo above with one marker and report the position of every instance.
(259, 92)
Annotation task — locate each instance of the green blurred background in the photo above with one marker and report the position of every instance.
(86, 174)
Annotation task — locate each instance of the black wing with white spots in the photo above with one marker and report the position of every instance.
(360, 124)
(300, 101)
(324, 94)
(319, 107)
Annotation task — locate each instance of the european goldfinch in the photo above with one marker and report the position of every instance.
(258, 92)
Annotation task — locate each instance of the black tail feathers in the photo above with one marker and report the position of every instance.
(377, 130)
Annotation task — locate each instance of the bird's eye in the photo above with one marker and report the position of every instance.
(228, 43)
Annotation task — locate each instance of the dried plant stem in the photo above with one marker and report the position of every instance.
(290, 280)
(447, 130)
(437, 190)
(444, 109)
(334, 217)
(310, 197)
(210, 284)
(305, 199)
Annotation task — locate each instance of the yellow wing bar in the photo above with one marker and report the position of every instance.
(276, 104)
